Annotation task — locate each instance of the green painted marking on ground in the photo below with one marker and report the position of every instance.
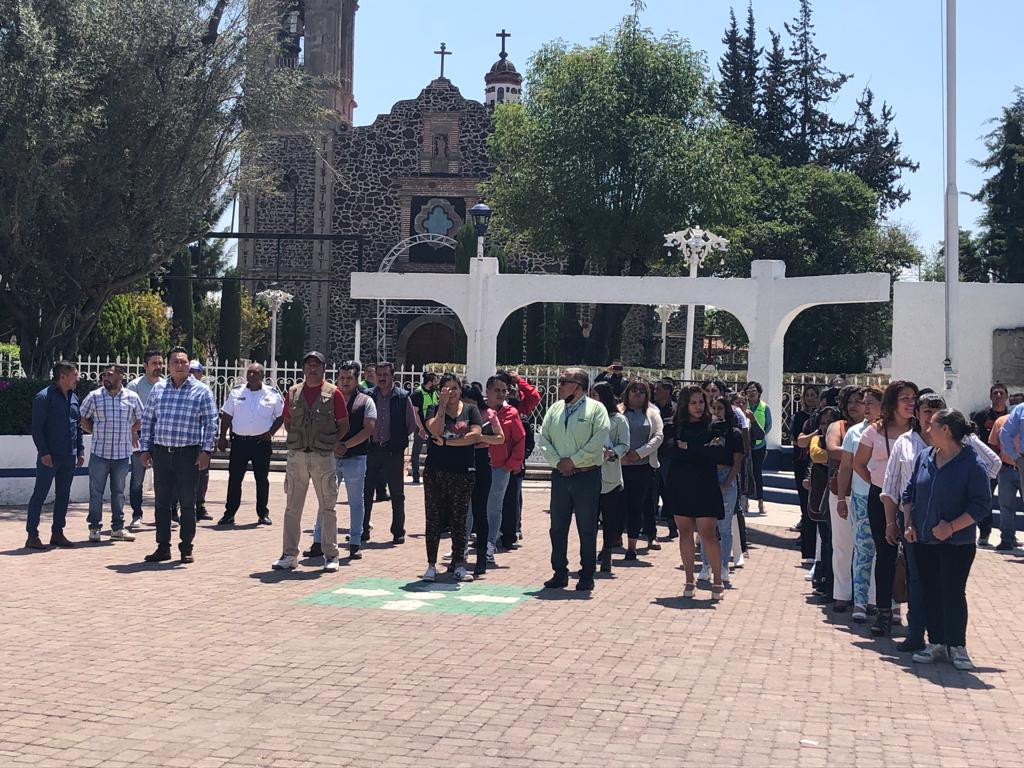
(475, 598)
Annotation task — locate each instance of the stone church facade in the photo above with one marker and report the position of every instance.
(413, 171)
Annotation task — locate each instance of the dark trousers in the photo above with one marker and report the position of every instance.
(885, 553)
(662, 491)
(944, 569)
(445, 498)
(385, 467)
(917, 612)
(175, 475)
(799, 473)
(202, 486)
(741, 521)
(757, 458)
(579, 495)
(510, 510)
(245, 451)
(613, 509)
(985, 524)
(135, 486)
(638, 488)
(417, 449)
(59, 475)
(478, 505)
(822, 565)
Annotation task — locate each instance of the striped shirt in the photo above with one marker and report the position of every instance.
(179, 416)
(113, 420)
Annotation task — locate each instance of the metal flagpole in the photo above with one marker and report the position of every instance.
(952, 244)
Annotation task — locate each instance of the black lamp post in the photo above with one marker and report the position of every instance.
(480, 215)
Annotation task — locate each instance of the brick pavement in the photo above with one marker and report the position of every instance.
(108, 662)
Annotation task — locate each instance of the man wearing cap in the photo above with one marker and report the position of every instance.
(253, 413)
(316, 417)
(179, 427)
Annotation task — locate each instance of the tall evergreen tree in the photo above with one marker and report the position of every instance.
(751, 57)
(871, 149)
(774, 118)
(229, 334)
(732, 99)
(1002, 194)
(811, 87)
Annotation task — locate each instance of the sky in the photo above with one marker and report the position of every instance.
(895, 47)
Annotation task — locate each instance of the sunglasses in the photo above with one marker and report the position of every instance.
(563, 382)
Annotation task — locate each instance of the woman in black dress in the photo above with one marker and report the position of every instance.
(693, 484)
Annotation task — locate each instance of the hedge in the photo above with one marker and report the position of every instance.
(16, 403)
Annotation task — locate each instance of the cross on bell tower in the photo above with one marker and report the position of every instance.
(504, 36)
(442, 53)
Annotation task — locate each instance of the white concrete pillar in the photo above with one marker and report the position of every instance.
(765, 356)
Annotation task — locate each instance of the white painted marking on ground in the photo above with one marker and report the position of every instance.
(363, 592)
(424, 595)
(403, 605)
(487, 599)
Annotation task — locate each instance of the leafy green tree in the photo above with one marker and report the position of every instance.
(254, 341)
(120, 124)
(613, 145)
(128, 325)
(974, 268)
(1002, 194)
(229, 334)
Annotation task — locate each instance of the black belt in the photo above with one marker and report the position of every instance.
(175, 449)
(1009, 466)
(246, 437)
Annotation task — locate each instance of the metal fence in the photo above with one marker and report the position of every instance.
(222, 377)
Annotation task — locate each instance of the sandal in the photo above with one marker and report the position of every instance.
(717, 592)
(689, 589)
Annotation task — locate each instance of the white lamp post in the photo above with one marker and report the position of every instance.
(694, 244)
(274, 300)
(665, 312)
(952, 362)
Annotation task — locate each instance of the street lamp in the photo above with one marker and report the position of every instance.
(695, 244)
(480, 215)
(273, 299)
(665, 312)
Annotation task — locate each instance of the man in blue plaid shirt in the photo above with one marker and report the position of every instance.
(179, 427)
(113, 415)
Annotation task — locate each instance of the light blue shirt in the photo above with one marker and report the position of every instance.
(113, 420)
(1013, 427)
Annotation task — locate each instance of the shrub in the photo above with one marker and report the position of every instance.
(16, 403)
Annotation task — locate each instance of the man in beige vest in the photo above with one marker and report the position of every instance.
(316, 417)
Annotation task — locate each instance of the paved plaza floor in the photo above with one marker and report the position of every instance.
(105, 661)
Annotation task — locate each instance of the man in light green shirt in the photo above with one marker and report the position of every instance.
(572, 441)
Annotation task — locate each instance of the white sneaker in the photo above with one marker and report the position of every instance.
(286, 563)
(447, 555)
(738, 562)
(330, 565)
(958, 655)
(726, 577)
(490, 554)
(122, 535)
(461, 574)
(94, 535)
(934, 652)
(136, 524)
(430, 574)
(705, 573)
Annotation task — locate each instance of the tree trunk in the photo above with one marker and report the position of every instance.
(605, 341)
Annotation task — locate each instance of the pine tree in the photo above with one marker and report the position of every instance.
(1002, 194)
(774, 117)
(872, 150)
(229, 334)
(730, 70)
(811, 87)
(751, 56)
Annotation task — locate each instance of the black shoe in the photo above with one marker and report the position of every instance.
(314, 551)
(605, 558)
(415, 481)
(983, 541)
(840, 606)
(264, 520)
(354, 553)
(202, 514)
(558, 581)
(61, 541)
(160, 555)
(34, 542)
(585, 584)
(911, 645)
(630, 554)
(175, 518)
(883, 624)
(652, 544)
(226, 520)
(186, 558)
(398, 540)
(383, 497)
(1006, 546)
(366, 536)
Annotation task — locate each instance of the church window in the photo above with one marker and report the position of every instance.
(438, 223)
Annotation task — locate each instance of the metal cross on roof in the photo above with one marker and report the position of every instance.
(442, 53)
(503, 35)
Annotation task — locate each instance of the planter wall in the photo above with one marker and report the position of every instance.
(18, 472)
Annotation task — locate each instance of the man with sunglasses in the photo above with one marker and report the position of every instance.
(572, 440)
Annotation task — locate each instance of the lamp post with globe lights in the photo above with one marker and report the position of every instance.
(273, 299)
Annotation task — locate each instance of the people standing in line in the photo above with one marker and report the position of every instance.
(316, 417)
(760, 426)
(519, 388)
(984, 421)
(476, 512)
(949, 493)
(801, 454)
(830, 395)
(851, 409)
(614, 375)
(380, 487)
(746, 482)
(611, 506)
(818, 503)
(423, 398)
(639, 465)
(853, 498)
(252, 413)
(179, 428)
(694, 485)
(898, 404)
(386, 458)
(663, 392)
(57, 435)
(113, 415)
(572, 441)
(512, 508)
(454, 427)
(507, 458)
(350, 465)
(1010, 487)
(195, 369)
(153, 370)
(723, 425)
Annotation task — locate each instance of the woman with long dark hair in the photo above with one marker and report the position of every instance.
(640, 463)
(694, 484)
(611, 506)
(898, 404)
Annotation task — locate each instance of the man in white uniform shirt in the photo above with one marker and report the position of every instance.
(253, 413)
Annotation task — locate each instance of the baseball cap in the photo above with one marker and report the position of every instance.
(195, 365)
(317, 355)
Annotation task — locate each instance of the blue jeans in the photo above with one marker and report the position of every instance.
(495, 502)
(135, 489)
(59, 475)
(1009, 488)
(725, 524)
(101, 470)
(352, 471)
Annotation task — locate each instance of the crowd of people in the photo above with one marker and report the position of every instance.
(895, 489)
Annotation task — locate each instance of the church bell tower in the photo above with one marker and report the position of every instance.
(330, 27)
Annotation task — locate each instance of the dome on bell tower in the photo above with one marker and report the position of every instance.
(503, 83)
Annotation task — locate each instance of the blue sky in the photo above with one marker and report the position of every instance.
(895, 47)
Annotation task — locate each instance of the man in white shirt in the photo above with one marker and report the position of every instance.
(253, 413)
